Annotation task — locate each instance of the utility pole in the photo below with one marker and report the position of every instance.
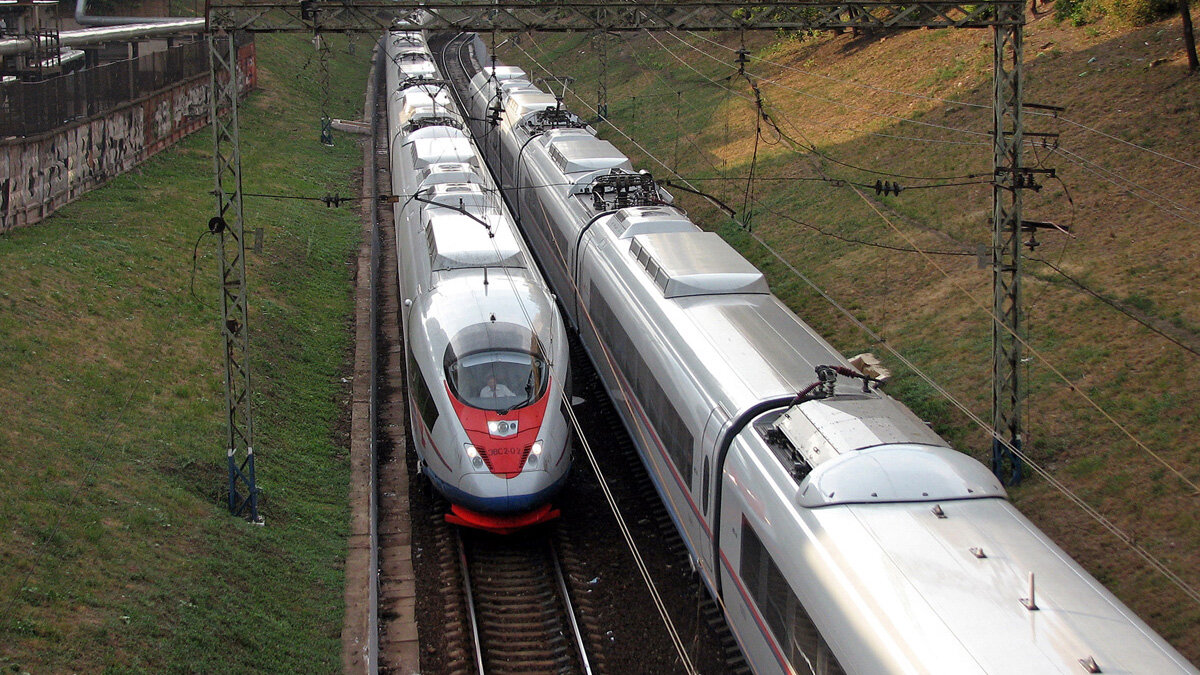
(1010, 179)
(231, 254)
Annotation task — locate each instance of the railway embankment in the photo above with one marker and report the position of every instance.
(118, 552)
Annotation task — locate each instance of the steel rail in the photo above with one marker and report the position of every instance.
(472, 618)
(570, 610)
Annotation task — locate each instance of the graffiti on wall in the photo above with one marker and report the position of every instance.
(39, 175)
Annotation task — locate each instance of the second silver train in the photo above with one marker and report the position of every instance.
(839, 533)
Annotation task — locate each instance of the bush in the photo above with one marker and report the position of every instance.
(1130, 12)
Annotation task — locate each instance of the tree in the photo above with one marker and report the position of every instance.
(1189, 40)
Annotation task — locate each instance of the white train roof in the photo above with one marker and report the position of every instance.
(695, 263)
(944, 594)
(457, 240)
(440, 145)
(575, 151)
(518, 104)
(459, 299)
(448, 172)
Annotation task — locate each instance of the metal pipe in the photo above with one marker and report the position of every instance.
(84, 19)
(64, 56)
(95, 36)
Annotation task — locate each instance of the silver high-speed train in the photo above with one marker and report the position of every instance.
(839, 533)
(486, 348)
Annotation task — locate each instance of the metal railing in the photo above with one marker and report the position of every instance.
(31, 108)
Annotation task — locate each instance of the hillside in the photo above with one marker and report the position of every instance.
(1112, 305)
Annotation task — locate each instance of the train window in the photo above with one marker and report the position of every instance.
(498, 380)
(496, 366)
(419, 390)
(671, 429)
(793, 629)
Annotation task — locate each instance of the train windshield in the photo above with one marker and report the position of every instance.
(496, 366)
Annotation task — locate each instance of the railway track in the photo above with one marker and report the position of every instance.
(520, 611)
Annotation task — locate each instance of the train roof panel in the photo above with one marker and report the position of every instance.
(440, 146)
(757, 341)
(457, 240)
(468, 196)
(630, 222)
(417, 100)
(503, 73)
(448, 172)
(949, 592)
(896, 473)
(695, 263)
(459, 299)
(826, 429)
(579, 152)
(521, 103)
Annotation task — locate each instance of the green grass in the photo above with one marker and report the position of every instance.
(118, 553)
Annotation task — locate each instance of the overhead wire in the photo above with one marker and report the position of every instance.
(1115, 530)
(874, 113)
(1070, 384)
(810, 147)
(1130, 187)
(1038, 355)
(760, 204)
(1114, 304)
(953, 102)
(673, 633)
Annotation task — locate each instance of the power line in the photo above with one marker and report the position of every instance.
(823, 99)
(952, 102)
(1115, 305)
(1130, 187)
(808, 145)
(1016, 336)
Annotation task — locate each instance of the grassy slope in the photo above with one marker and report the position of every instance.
(118, 554)
(1138, 255)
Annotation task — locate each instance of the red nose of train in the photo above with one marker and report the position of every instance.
(503, 441)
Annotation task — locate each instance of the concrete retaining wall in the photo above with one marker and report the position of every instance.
(40, 174)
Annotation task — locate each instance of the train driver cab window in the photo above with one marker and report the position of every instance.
(496, 366)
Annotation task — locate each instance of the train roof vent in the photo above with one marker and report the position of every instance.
(448, 172)
(631, 222)
(440, 147)
(457, 240)
(695, 263)
(469, 197)
(424, 100)
(503, 73)
(521, 103)
(574, 153)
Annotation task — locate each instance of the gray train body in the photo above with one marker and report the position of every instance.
(486, 348)
(839, 532)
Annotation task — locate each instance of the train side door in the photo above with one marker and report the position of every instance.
(705, 484)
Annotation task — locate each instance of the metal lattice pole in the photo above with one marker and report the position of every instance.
(323, 82)
(1010, 179)
(231, 252)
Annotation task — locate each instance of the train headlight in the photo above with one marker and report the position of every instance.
(536, 450)
(476, 460)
